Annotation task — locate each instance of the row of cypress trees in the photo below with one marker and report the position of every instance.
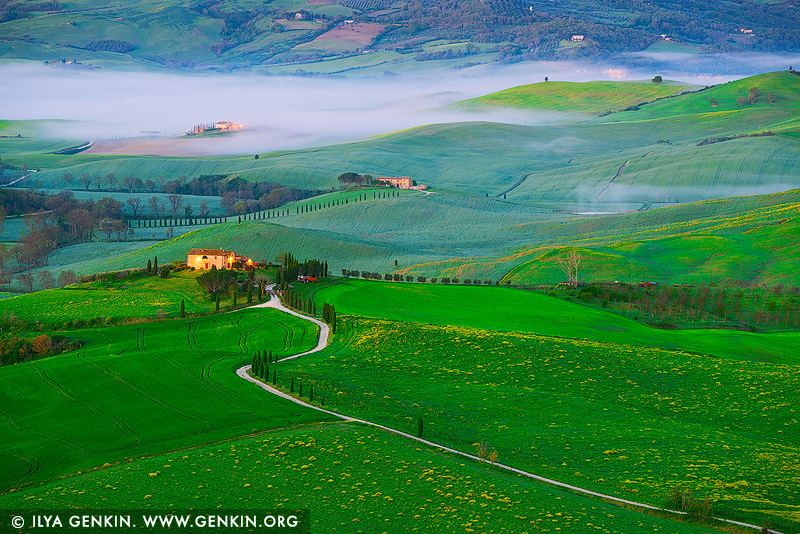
(329, 316)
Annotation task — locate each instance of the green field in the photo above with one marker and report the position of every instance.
(503, 309)
(631, 421)
(136, 297)
(139, 390)
(352, 479)
(592, 98)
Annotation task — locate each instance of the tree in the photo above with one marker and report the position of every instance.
(740, 101)
(175, 201)
(131, 182)
(46, 279)
(85, 180)
(134, 204)
(98, 181)
(713, 102)
(420, 427)
(111, 179)
(570, 264)
(658, 79)
(216, 281)
(204, 209)
(154, 206)
(771, 98)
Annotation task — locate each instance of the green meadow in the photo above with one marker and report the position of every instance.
(504, 309)
(581, 97)
(137, 296)
(631, 421)
(352, 479)
(138, 390)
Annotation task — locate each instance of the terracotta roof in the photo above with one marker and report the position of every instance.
(208, 252)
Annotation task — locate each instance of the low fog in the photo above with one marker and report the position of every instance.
(279, 112)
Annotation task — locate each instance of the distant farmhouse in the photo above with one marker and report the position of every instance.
(401, 183)
(206, 258)
(576, 38)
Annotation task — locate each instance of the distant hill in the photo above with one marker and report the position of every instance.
(263, 36)
(594, 97)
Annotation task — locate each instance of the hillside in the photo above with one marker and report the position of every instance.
(280, 35)
(592, 98)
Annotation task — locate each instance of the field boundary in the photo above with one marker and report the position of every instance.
(242, 372)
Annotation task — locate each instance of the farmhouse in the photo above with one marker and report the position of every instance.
(401, 183)
(576, 38)
(205, 258)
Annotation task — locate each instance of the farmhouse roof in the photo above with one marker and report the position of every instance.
(209, 252)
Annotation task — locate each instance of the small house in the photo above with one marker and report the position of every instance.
(577, 38)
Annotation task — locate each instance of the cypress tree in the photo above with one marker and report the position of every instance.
(183, 309)
(254, 361)
(270, 356)
(323, 400)
(217, 301)
(315, 309)
(233, 290)
(149, 266)
(265, 374)
(249, 294)
(311, 394)
(274, 377)
(291, 387)
(301, 388)
(155, 266)
(419, 427)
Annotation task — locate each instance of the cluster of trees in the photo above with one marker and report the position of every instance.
(10, 10)
(290, 268)
(329, 316)
(260, 365)
(51, 221)
(397, 277)
(682, 500)
(722, 138)
(110, 45)
(238, 196)
(16, 349)
(358, 179)
(706, 305)
(450, 53)
(751, 98)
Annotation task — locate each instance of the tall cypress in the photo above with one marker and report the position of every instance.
(274, 377)
(419, 427)
(183, 309)
(155, 266)
(217, 301)
(301, 388)
(311, 394)
(149, 266)
(291, 387)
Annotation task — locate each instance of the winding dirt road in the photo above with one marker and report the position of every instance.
(274, 302)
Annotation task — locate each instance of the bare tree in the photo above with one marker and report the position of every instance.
(98, 181)
(134, 204)
(204, 209)
(67, 278)
(570, 265)
(46, 279)
(85, 180)
(153, 201)
(68, 179)
(111, 179)
(175, 201)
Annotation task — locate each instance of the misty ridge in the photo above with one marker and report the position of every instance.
(279, 112)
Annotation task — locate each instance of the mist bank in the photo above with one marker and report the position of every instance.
(280, 113)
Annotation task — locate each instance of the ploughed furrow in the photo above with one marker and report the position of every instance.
(287, 336)
(205, 423)
(93, 408)
(50, 437)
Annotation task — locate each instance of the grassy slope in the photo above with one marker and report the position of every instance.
(631, 421)
(505, 309)
(139, 297)
(352, 479)
(741, 238)
(142, 389)
(581, 97)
